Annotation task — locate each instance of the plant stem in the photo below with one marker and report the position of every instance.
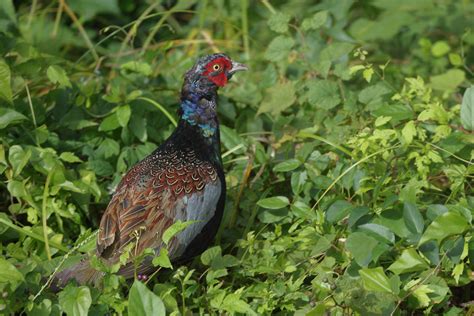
(44, 215)
(245, 28)
(81, 29)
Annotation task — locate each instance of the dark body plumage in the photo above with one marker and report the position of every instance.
(182, 179)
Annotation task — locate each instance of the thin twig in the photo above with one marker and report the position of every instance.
(81, 29)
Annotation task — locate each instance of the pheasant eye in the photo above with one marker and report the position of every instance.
(216, 67)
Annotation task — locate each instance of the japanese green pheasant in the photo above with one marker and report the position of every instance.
(182, 180)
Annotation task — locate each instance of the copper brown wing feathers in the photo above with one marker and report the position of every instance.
(152, 196)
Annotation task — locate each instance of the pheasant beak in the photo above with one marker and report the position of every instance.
(237, 67)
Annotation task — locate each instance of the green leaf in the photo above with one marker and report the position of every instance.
(467, 109)
(455, 59)
(9, 273)
(450, 80)
(58, 75)
(367, 74)
(143, 302)
(409, 261)
(123, 115)
(382, 120)
(69, 157)
(211, 254)
(5, 85)
(412, 217)
(278, 22)
(75, 301)
(9, 116)
(18, 158)
(8, 9)
(440, 48)
(361, 246)
(174, 229)
(448, 224)
(233, 304)
(375, 280)
(356, 214)
(138, 66)
(278, 98)
(408, 132)
(110, 123)
(108, 148)
(287, 165)
(397, 112)
(323, 94)
(162, 259)
(274, 203)
(279, 48)
(315, 22)
(338, 210)
(378, 231)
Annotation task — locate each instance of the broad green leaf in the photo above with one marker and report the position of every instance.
(123, 115)
(455, 59)
(413, 218)
(397, 112)
(8, 9)
(18, 158)
(174, 229)
(278, 98)
(278, 22)
(409, 261)
(5, 85)
(108, 148)
(69, 157)
(448, 224)
(9, 116)
(274, 203)
(421, 294)
(143, 302)
(382, 120)
(408, 132)
(374, 93)
(450, 80)
(375, 280)
(58, 75)
(367, 74)
(138, 66)
(162, 259)
(75, 301)
(467, 109)
(335, 51)
(315, 22)
(356, 214)
(440, 48)
(378, 231)
(287, 165)
(210, 254)
(8, 272)
(110, 123)
(338, 210)
(279, 48)
(323, 94)
(233, 304)
(361, 246)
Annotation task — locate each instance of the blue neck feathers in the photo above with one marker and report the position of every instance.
(200, 112)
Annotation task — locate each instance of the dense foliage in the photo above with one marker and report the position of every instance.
(348, 150)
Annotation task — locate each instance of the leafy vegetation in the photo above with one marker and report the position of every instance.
(348, 149)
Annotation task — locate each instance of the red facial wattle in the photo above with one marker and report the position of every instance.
(219, 77)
